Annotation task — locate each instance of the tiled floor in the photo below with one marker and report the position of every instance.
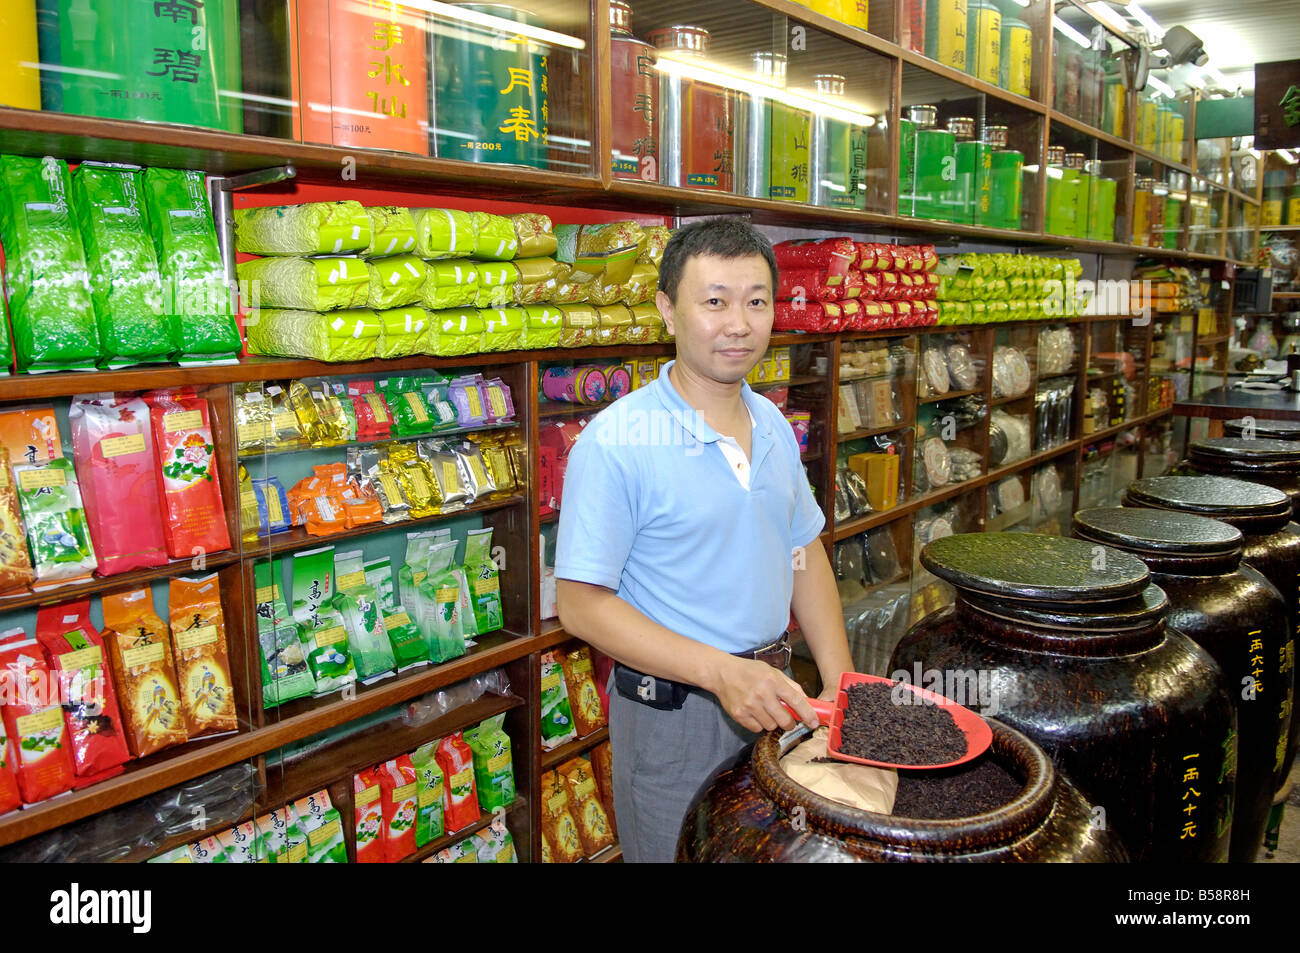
(1288, 848)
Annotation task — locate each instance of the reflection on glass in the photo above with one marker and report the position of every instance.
(634, 97)
(772, 137)
(696, 118)
(838, 154)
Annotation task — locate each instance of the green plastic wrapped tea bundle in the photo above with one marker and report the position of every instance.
(58, 538)
(403, 332)
(484, 584)
(450, 284)
(46, 280)
(285, 672)
(406, 402)
(321, 628)
(494, 774)
(443, 233)
(428, 794)
(456, 332)
(316, 228)
(124, 282)
(392, 231)
(199, 311)
(494, 237)
(542, 326)
(496, 281)
(332, 336)
(438, 599)
(395, 282)
(358, 603)
(305, 284)
(503, 329)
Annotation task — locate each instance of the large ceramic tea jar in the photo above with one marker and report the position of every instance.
(1271, 462)
(754, 811)
(1256, 427)
(1232, 612)
(1272, 545)
(1070, 638)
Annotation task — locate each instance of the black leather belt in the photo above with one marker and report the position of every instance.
(668, 695)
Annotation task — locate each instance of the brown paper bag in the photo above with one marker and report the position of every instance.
(857, 785)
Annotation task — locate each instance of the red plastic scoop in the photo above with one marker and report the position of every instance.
(977, 731)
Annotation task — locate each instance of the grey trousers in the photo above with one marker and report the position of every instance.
(661, 759)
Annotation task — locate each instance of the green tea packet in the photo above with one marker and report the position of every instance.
(268, 844)
(343, 335)
(285, 672)
(494, 773)
(46, 280)
(295, 839)
(429, 794)
(409, 649)
(395, 282)
(358, 602)
(403, 332)
(325, 840)
(58, 538)
(414, 569)
(443, 233)
(494, 845)
(484, 583)
(199, 311)
(306, 284)
(320, 626)
(494, 237)
(209, 850)
(392, 231)
(456, 331)
(437, 604)
(452, 283)
(177, 855)
(124, 282)
(464, 609)
(557, 714)
(407, 404)
(313, 228)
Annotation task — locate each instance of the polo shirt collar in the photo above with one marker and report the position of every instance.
(694, 424)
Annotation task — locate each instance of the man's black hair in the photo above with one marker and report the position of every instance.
(723, 237)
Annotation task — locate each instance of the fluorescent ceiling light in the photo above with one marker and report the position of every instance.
(693, 69)
(1218, 78)
(1288, 155)
(1102, 11)
(1154, 28)
(1066, 30)
(1163, 88)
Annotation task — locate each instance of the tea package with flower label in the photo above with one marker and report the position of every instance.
(429, 794)
(76, 654)
(58, 538)
(557, 715)
(321, 628)
(584, 801)
(588, 715)
(10, 799)
(368, 815)
(484, 582)
(15, 563)
(38, 737)
(358, 603)
(46, 280)
(118, 477)
(457, 763)
(494, 774)
(397, 783)
(392, 231)
(286, 674)
(144, 672)
(558, 824)
(202, 660)
(194, 520)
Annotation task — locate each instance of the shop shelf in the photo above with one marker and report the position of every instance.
(126, 580)
(518, 806)
(556, 757)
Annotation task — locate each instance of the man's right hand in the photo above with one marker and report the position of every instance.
(752, 692)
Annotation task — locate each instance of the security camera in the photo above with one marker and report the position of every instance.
(1181, 45)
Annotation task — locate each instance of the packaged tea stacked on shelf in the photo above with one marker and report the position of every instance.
(838, 284)
(198, 632)
(144, 672)
(977, 288)
(42, 764)
(194, 519)
(286, 672)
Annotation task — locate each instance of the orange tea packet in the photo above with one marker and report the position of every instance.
(194, 520)
(558, 825)
(584, 699)
(584, 802)
(140, 653)
(202, 661)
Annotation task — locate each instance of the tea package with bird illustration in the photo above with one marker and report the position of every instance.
(202, 660)
(144, 672)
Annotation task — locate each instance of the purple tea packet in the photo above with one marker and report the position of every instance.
(467, 397)
(497, 400)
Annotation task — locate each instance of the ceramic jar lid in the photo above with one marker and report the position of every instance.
(1029, 566)
(1268, 429)
(1209, 496)
(1157, 531)
(1239, 449)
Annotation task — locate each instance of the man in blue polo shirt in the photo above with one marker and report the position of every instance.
(688, 533)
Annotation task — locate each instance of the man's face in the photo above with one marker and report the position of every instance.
(722, 318)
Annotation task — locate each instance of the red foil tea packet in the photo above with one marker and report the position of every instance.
(194, 520)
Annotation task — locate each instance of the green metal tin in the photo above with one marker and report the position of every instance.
(838, 168)
(139, 60)
(906, 167)
(490, 90)
(1060, 193)
(1081, 194)
(936, 170)
(1004, 192)
(1101, 211)
(1173, 221)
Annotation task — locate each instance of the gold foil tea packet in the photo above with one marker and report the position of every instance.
(286, 431)
(445, 466)
(253, 429)
(478, 481)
